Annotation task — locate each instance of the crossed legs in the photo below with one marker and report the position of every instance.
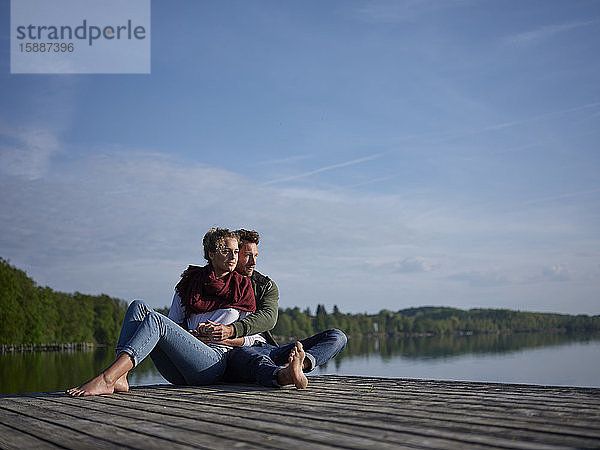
(279, 366)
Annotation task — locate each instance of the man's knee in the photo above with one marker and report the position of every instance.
(340, 337)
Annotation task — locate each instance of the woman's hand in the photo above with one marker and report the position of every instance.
(202, 332)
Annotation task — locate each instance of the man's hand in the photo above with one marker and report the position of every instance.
(213, 331)
(220, 332)
(205, 333)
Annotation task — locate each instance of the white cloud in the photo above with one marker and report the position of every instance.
(486, 278)
(324, 169)
(26, 153)
(279, 161)
(127, 224)
(563, 196)
(409, 265)
(545, 32)
(556, 272)
(397, 11)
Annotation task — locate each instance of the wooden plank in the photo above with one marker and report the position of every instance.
(447, 416)
(469, 390)
(361, 423)
(50, 433)
(244, 424)
(189, 424)
(14, 438)
(561, 430)
(77, 429)
(377, 433)
(334, 412)
(410, 405)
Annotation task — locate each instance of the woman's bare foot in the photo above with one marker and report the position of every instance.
(292, 373)
(96, 386)
(122, 385)
(113, 378)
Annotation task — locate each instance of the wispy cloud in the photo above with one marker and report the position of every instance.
(414, 265)
(371, 181)
(545, 32)
(397, 11)
(550, 114)
(324, 169)
(562, 196)
(26, 152)
(485, 278)
(512, 277)
(128, 223)
(556, 272)
(289, 159)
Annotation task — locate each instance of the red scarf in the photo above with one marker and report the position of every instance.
(200, 291)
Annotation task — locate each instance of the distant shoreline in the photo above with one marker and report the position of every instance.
(49, 347)
(456, 333)
(91, 345)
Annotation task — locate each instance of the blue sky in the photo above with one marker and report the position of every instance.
(391, 154)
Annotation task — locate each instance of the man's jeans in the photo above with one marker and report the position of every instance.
(262, 361)
(179, 357)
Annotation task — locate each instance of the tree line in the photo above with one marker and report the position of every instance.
(34, 315)
(293, 322)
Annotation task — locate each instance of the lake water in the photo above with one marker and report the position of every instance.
(574, 363)
(548, 359)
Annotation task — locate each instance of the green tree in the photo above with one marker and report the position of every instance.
(34, 315)
(321, 318)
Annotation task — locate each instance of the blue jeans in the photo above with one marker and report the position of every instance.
(262, 361)
(179, 357)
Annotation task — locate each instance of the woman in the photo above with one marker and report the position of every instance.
(214, 292)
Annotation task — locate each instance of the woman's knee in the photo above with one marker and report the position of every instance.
(141, 306)
(137, 311)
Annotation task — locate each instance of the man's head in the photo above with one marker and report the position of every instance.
(221, 249)
(248, 251)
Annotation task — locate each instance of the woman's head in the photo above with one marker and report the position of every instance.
(221, 247)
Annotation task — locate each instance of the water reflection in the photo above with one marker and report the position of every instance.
(535, 358)
(57, 371)
(432, 347)
(524, 357)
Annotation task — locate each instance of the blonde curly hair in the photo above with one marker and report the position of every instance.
(214, 240)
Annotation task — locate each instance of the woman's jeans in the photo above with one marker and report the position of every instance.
(179, 357)
(262, 361)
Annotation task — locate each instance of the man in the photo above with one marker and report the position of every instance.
(265, 362)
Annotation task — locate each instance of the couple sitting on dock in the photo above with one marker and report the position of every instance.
(218, 327)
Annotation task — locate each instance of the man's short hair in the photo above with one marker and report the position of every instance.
(248, 236)
(214, 240)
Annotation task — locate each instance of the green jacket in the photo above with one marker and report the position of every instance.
(267, 308)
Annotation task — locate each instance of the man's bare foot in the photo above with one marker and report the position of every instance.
(122, 385)
(96, 386)
(293, 373)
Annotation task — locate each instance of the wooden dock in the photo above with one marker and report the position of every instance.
(334, 412)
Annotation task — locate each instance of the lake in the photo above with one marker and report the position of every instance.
(532, 358)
